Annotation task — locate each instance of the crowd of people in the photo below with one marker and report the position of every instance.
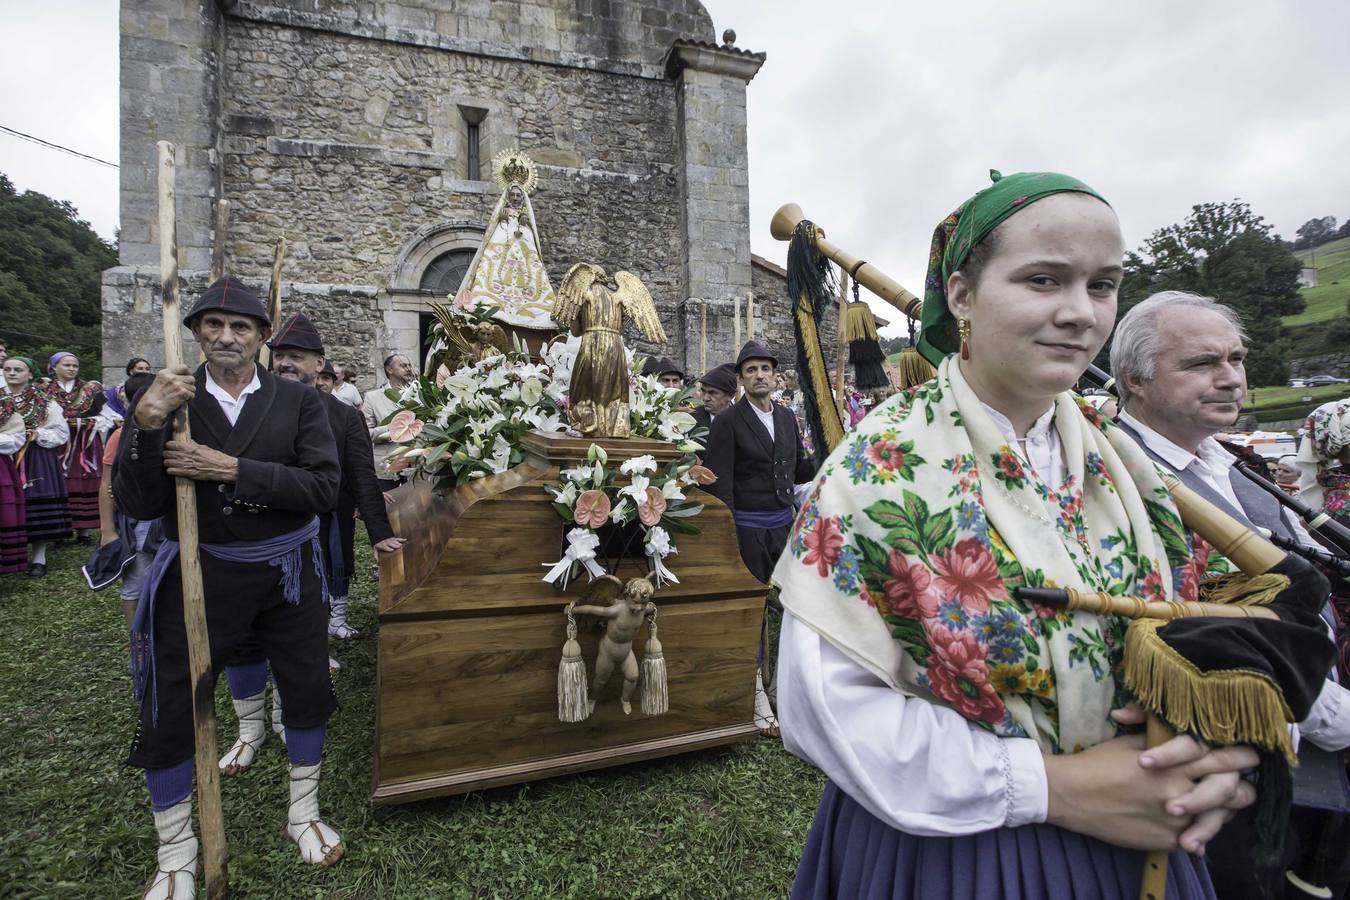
(973, 747)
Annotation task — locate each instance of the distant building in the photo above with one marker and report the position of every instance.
(1307, 277)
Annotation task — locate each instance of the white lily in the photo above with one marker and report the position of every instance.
(671, 490)
(639, 464)
(637, 489)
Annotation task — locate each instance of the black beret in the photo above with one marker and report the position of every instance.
(754, 350)
(229, 294)
(298, 332)
(722, 377)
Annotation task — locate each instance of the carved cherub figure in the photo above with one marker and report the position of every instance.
(624, 616)
(463, 344)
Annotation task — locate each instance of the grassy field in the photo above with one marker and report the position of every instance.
(1328, 299)
(76, 822)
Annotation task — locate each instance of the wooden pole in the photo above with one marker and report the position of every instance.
(736, 325)
(840, 349)
(194, 604)
(703, 338)
(218, 240)
(1153, 886)
(750, 316)
(274, 300)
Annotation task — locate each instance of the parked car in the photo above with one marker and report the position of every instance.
(1296, 382)
(1320, 380)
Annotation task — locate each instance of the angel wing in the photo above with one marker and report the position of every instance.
(571, 295)
(637, 303)
(603, 591)
(458, 342)
(499, 339)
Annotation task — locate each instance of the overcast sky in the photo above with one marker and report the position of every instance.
(880, 117)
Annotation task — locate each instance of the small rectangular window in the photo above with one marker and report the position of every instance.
(473, 141)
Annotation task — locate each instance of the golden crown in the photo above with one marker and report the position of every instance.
(513, 167)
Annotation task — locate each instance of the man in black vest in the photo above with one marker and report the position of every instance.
(717, 390)
(263, 460)
(755, 450)
(1178, 359)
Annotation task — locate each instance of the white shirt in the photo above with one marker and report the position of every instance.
(348, 394)
(1210, 462)
(230, 405)
(919, 767)
(765, 419)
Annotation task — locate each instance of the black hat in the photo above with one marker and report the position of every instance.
(754, 350)
(229, 294)
(328, 369)
(722, 377)
(659, 367)
(298, 332)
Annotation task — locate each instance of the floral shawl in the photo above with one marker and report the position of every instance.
(1324, 481)
(923, 521)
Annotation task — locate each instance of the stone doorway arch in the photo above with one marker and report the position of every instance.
(428, 262)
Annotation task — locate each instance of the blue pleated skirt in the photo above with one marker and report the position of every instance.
(852, 854)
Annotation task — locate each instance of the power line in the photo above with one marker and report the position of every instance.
(38, 140)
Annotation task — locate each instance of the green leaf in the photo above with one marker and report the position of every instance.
(685, 512)
(680, 525)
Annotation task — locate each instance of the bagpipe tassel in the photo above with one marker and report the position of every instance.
(573, 704)
(655, 694)
(864, 348)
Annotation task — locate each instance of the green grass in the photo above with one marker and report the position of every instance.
(1276, 404)
(1328, 300)
(76, 822)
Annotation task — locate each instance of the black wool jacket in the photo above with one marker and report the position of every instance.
(358, 488)
(288, 466)
(754, 472)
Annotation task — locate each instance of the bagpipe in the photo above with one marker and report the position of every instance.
(1236, 667)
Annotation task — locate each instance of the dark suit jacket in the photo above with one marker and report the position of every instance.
(752, 471)
(1258, 507)
(702, 418)
(288, 468)
(358, 488)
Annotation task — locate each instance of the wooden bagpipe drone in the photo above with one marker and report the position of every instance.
(1237, 667)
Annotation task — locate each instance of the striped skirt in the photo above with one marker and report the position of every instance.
(44, 494)
(850, 853)
(13, 535)
(83, 462)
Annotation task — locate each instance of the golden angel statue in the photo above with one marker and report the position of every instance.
(598, 395)
(460, 341)
(507, 271)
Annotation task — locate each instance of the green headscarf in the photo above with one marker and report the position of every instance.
(961, 231)
(30, 363)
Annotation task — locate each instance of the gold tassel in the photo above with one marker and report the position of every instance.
(820, 382)
(862, 325)
(914, 370)
(573, 704)
(1243, 590)
(655, 695)
(1222, 707)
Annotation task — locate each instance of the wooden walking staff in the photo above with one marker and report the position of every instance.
(218, 240)
(702, 338)
(274, 299)
(194, 604)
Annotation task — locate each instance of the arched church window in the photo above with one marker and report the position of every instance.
(446, 272)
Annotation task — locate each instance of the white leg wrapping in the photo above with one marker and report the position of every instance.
(252, 730)
(765, 720)
(176, 873)
(277, 726)
(337, 620)
(318, 843)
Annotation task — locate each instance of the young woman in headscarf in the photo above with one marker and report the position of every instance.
(31, 428)
(975, 746)
(82, 456)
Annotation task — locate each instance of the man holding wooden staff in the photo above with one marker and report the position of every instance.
(263, 460)
(1178, 359)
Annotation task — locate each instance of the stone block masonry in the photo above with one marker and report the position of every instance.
(342, 126)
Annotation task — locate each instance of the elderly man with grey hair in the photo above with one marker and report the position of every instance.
(1178, 360)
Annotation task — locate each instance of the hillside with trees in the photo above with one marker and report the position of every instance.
(50, 265)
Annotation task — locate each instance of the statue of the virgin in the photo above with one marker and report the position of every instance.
(507, 271)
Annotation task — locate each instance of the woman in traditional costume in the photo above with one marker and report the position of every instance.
(973, 743)
(1323, 459)
(82, 456)
(31, 428)
(13, 436)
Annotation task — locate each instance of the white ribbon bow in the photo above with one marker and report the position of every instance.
(581, 546)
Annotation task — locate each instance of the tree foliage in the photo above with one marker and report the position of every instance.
(1315, 232)
(50, 267)
(1225, 251)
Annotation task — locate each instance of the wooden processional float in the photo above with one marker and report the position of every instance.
(470, 636)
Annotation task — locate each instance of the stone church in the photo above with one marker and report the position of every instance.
(362, 131)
